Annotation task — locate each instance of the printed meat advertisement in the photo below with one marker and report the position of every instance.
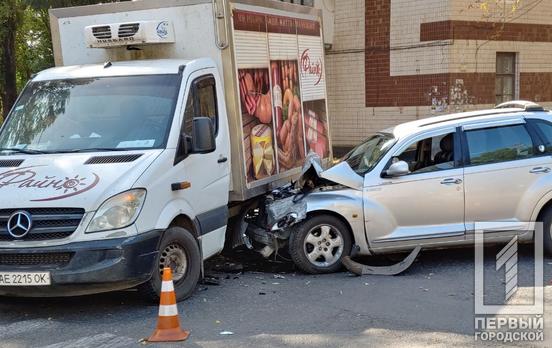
(258, 132)
(289, 116)
(282, 92)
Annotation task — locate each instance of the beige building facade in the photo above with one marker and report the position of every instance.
(392, 61)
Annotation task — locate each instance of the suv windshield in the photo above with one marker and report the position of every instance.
(92, 114)
(366, 156)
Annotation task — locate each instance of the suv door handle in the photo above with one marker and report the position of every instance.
(222, 159)
(451, 181)
(540, 170)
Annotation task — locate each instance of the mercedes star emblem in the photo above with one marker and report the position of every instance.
(19, 224)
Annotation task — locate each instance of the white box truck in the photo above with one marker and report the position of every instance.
(161, 121)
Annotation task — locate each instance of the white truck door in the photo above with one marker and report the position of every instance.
(206, 177)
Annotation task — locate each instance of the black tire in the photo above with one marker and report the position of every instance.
(181, 240)
(547, 231)
(300, 248)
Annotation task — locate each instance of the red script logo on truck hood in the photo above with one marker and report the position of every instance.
(58, 188)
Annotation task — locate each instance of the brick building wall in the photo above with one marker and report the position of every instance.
(398, 60)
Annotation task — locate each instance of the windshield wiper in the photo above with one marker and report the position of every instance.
(25, 151)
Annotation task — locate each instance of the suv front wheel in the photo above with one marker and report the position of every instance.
(318, 244)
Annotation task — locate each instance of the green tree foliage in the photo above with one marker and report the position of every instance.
(26, 43)
(34, 45)
(10, 19)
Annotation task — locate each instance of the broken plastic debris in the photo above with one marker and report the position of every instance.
(226, 333)
(279, 276)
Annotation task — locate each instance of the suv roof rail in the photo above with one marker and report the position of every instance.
(463, 116)
(520, 104)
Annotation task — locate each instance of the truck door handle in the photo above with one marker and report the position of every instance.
(222, 159)
(540, 170)
(451, 181)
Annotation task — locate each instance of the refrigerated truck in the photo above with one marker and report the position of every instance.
(161, 123)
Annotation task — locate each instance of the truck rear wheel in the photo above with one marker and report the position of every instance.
(179, 251)
(319, 244)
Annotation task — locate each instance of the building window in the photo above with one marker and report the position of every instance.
(505, 77)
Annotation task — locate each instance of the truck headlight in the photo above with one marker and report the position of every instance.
(119, 211)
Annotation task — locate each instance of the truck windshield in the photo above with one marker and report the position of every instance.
(366, 156)
(92, 114)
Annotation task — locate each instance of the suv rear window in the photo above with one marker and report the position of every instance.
(500, 144)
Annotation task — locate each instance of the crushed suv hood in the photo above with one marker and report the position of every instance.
(341, 173)
(70, 180)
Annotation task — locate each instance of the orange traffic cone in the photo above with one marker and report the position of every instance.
(168, 325)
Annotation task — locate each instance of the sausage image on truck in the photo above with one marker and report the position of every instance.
(161, 124)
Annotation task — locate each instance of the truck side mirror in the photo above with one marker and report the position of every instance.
(203, 138)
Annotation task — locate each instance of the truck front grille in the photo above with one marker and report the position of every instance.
(128, 30)
(47, 223)
(10, 163)
(35, 259)
(102, 32)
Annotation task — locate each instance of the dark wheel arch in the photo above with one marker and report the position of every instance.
(184, 287)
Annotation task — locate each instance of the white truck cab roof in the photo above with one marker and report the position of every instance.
(124, 68)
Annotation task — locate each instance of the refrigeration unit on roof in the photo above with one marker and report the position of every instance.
(128, 34)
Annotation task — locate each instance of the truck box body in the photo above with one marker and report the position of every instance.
(270, 55)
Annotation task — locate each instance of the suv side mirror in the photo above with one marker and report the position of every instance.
(203, 138)
(399, 168)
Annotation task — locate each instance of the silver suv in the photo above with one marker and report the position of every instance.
(427, 183)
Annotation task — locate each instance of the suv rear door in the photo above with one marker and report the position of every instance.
(502, 164)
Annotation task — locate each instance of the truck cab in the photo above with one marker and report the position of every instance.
(99, 163)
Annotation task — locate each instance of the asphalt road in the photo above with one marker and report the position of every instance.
(269, 304)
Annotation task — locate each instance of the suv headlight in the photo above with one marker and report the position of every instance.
(119, 211)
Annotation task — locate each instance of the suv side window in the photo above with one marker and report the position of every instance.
(544, 130)
(430, 154)
(499, 144)
(202, 102)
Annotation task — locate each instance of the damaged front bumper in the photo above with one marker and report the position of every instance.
(271, 223)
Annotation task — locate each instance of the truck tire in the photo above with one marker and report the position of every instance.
(178, 250)
(547, 231)
(318, 244)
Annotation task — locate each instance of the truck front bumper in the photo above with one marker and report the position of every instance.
(84, 267)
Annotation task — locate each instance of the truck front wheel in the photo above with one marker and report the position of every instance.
(319, 244)
(179, 251)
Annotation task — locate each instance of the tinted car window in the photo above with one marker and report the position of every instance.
(545, 131)
(500, 144)
(430, 154)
